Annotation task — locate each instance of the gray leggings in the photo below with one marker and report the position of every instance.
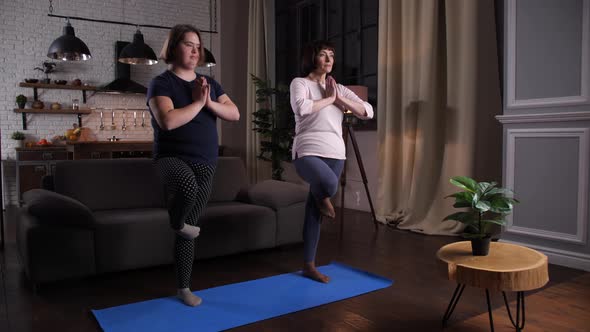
(188, 186)
(322, 174)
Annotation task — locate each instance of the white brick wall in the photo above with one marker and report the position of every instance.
(27, 32)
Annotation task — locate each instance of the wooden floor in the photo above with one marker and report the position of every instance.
(415, 302)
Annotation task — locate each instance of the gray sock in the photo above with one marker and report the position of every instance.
(189, 232)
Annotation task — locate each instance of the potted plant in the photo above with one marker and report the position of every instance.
(19, 137)
(275, 122)
(487, 205)
(47, 67)
(21, 101)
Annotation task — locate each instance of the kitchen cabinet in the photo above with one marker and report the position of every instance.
(110, 150)
(32, 164)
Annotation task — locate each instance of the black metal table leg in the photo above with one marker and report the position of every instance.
(453, 303)
(519, 324)
(490, 310)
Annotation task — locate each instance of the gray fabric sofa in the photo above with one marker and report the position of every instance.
(98, 216)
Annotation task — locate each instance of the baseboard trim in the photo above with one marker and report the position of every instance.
(560, 257)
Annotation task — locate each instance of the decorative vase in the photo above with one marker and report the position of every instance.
(480, 247)
(37, 104)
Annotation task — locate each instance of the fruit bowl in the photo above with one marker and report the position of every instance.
(43, 143)
(31, 80)
(60, 82)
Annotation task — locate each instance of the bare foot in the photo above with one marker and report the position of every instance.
(311, 272)
(188, 297)
(326, 208)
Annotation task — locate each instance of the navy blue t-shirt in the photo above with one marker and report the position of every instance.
(195, 141)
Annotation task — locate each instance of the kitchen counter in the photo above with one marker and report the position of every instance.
(110, 150)
(52, 147)
(108, 142)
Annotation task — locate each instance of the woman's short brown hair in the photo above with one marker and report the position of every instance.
(175, 36)
(310, 52)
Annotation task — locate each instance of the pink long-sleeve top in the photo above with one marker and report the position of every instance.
(319, 133)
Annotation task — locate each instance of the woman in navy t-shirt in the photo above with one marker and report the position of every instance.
(185, 107)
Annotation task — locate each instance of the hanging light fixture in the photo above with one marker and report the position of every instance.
(68, 47)
(209, 59)
(138, 52)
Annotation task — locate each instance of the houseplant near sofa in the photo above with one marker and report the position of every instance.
(275, 122)
(487, 205)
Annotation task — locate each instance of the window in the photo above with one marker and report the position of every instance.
(350, 24)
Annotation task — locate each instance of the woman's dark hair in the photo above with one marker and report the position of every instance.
(310, 51)
(174, 38)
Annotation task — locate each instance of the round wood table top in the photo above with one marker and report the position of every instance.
(508, 267)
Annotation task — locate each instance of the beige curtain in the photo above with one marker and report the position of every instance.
(258, 53)
(438, 94)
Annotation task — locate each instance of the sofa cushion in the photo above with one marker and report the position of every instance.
(230, 177)
(290, 221)
(53, 208)
(232, 227)
(110, 184)
(277, 194)
(132, 238)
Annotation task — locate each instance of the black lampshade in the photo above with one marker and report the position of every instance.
(68, 47)
(209, 59)
(138, 52)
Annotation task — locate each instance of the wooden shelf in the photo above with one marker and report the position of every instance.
(24, 112)
(57, 86)
(50, 111)
(36, 86)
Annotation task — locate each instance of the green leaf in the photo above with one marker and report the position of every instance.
(500, 204)
(462, 199)
(512, 200)
(463, 217)
(483, 206)
(460, 205)
(484, 187)
(465, 183)
(503, 191)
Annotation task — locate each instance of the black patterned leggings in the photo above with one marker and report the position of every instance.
(188, 186)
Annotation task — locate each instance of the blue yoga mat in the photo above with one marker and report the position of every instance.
(233, 305)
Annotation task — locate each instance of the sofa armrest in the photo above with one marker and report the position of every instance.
(52, 208)
(276, 194)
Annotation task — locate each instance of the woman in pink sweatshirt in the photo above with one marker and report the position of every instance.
(318, 148)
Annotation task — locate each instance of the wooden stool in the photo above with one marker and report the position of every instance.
(508, 267)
